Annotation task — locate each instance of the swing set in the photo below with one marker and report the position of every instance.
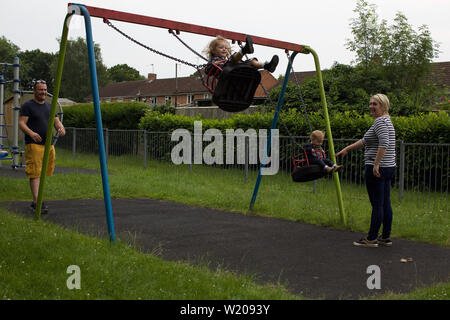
(233, 87)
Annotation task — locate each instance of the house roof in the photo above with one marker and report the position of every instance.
(169, 86)
(268, 81)
(440, 73)
(122, 89)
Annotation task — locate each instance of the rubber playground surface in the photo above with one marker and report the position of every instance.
(317, 262)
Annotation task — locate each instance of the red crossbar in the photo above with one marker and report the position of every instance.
(186, 27)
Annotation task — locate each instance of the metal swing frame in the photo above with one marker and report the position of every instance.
(87, 12)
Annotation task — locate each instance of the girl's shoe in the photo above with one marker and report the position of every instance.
(272, 65)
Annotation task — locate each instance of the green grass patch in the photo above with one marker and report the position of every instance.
(36, 256)
(38, 253)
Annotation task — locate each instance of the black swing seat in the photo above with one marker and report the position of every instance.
(236, 87)
(303, 171)
(307, 173)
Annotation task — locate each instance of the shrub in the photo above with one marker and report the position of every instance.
(115, 115)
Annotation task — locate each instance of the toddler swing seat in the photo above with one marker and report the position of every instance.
(234, 86)
(303, 171)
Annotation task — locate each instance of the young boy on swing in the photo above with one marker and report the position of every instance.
(316, 155)
(219, 53)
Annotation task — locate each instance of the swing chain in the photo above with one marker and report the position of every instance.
(302, 102)
(198, 67)
(187, 46)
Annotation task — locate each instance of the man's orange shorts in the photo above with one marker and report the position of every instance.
(34, 153)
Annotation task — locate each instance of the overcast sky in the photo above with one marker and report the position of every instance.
(323, 25)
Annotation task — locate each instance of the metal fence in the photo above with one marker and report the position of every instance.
(422, 169)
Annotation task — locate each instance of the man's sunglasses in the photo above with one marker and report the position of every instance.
(38, 81)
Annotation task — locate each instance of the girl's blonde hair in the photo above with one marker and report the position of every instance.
(209, 50)
(383, 100)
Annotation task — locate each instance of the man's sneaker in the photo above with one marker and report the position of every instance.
(248, 48)
(272, 65)
(384, 242)
(44, 208)
(366, 243)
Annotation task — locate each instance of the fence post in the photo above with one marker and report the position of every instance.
(247, 156)
(145, 149)
(74, 143)
(401, 183)
(107, 141)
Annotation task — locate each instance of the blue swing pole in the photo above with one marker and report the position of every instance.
(98, 118)
(274, 125)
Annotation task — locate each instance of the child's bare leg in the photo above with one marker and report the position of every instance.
(237, 57)
(256, 64)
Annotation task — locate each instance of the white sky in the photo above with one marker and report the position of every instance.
(323, 25)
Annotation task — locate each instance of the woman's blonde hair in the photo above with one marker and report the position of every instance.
(383, 100)
(209, 50)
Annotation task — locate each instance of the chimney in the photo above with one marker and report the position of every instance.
(151, 76)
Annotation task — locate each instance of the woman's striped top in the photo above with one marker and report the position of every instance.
(380, 134)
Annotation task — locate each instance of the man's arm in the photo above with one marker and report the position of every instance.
(59, 127)
(23, 126)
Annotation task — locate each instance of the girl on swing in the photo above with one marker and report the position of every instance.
(219, 53)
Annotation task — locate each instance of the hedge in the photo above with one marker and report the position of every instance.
(115, 115)
(425, 128)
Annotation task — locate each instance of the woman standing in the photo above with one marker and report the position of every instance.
(379, 160)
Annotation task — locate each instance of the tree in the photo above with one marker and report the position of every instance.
(36, 65)
(8, 51)
(123, 72)
(76, 80)
(392, 59)
(366, 30)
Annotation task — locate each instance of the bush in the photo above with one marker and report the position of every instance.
(430, 127)
(115, 115)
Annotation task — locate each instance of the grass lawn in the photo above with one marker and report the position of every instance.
(42, 252)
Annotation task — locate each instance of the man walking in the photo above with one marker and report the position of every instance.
(33, 121)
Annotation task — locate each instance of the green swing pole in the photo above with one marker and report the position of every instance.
(337, 183)
(51, 121)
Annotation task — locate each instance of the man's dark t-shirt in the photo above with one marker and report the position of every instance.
(38, 115)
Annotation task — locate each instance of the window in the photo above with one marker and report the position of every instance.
(190, 98)
(168, 99)
(152, 100)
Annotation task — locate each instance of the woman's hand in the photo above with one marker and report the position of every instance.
(376, 171)
(342, 153)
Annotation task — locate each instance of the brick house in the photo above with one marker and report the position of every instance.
(180, 92)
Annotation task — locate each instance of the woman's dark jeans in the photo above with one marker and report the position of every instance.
(379, 190)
